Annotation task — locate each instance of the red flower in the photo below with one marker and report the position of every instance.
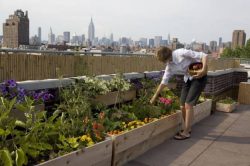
(165, 101)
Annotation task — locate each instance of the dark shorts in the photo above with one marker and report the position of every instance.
(191, 90)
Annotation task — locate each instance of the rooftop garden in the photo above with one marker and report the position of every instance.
(81, 119)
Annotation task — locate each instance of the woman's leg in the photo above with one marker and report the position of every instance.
(196, 87)
(183, 110)
(188, 119)
(194, 90)
(184, 93)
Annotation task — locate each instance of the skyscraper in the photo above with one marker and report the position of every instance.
(151, 43)
(111, 37)
(91, 31)
(220, 42)
(158, 41)
(51, 37)
(169, 39)
(239, 38)
(39, 34)
(143, 41)
(66, 37)
(213, 46)
(16, 30)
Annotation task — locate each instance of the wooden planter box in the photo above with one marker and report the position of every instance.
(202, 110)
(20, 114)
(132, 144)
(172, 85)
(116, 97)
(99, 154)
(225, 107)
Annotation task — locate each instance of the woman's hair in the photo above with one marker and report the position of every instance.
(164, 54)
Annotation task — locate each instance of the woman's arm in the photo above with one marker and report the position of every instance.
(158, 91)
(167, 75)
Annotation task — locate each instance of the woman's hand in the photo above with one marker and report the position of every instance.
(200, 74)
(203, 71)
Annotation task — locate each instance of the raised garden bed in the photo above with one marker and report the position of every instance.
(131, 144)
(202, 110)
(99, 154)
(223, 107)
(116, 97)
(18, 114)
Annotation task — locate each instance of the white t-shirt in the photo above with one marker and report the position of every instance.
(181, 59)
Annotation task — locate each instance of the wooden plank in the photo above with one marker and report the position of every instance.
(244, 91)
(116, 97)
(131, 144)
(135, 151)
(90, 156)
(202, 110)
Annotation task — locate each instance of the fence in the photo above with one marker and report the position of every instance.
(20, 66)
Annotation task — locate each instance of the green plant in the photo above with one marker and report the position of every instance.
(118, 83)
(24, 142)
(94, 86)
(227, 100)
(74, 107)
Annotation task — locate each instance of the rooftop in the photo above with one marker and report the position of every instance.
(221, 139)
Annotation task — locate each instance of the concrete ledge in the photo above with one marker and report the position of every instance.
(133, 75)
(105, 77)
(78, 78)
(45, 84)
(149, 74)
(226, 71)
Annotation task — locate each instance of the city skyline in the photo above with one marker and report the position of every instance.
(202, 20)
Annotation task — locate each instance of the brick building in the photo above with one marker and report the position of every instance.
(239, 38)
(16, 30)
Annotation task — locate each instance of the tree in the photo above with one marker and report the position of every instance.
(227, 53)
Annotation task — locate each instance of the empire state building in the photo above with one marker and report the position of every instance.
(91, 31)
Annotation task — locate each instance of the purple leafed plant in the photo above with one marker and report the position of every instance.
(136, 83)
(41, 96)
(9, 89)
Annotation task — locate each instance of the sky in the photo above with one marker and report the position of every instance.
(200, 20)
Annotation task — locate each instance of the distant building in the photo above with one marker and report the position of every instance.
(143, 42)
(220, 42)
(83, 38)
(60, 39)
(123, 49)
(51, 37)
(39, 35)
(34, 41)
(124, 41)
(239, 38)
(75, 40)
(158, 41)
(151, 43)
(16, 30)
(213, 46)
(169, 39)
(175, 44)
(197, 46)
(91, 31)
(66, 37)
(111, 37)
(164, 43)
(1, 40)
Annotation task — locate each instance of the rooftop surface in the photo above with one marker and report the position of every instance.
(220, 139)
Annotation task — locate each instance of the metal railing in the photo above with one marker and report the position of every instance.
(30, 51)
